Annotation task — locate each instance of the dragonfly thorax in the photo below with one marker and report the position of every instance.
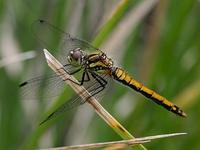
(107, 61)
(76, 57)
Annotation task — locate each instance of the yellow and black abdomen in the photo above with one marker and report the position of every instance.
(123, 77)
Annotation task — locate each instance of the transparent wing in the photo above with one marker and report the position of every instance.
(44, 87)
(56, 39)
(93, 87)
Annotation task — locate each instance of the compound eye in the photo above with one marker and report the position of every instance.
(76, 55)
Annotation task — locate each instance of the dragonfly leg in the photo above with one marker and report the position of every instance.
(73, 72)
(66, 65)
(99, 78)
(102, 83)
(67, 69)
(82, 78)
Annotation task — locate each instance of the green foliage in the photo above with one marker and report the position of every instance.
(169, 64)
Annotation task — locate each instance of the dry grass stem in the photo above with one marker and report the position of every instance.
(117, 144)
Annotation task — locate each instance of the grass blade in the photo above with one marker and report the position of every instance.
(117, 144)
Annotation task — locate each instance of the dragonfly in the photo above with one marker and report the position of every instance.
(95, 69)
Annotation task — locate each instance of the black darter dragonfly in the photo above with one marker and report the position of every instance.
(95, 67)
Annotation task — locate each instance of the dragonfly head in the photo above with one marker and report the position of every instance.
(75, 57)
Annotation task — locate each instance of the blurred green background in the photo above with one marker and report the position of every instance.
(158, 42)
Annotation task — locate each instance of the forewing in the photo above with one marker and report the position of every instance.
(53, 38)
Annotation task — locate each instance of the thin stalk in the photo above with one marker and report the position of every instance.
(116, 144)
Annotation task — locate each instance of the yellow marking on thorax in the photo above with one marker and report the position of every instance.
(99, 63)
